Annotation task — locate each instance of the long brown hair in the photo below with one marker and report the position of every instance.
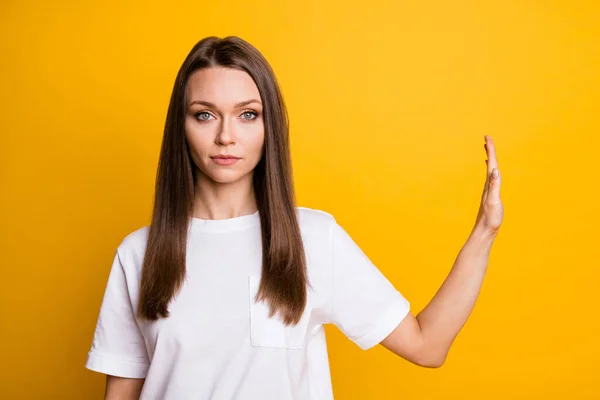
(284, 279)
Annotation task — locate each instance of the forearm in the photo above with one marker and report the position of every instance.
(444, 316)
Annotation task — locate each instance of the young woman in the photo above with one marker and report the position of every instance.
(225, 294)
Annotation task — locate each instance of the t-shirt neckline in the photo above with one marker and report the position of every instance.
(227, 224)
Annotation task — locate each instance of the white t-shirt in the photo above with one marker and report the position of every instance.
(219, 344)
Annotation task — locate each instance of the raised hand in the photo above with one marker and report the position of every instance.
(491, 211)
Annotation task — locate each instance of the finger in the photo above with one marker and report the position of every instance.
(491, 154)
(486, 185)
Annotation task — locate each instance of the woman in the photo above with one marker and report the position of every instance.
(225, 294)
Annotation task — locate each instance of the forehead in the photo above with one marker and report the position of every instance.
(222, 86)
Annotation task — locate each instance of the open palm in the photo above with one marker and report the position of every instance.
(491, 210)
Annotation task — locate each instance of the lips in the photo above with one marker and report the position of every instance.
(225, 160)
(225, 157)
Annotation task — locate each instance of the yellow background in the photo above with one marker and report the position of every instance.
(389, 102)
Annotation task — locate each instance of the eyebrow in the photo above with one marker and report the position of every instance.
(237, 105)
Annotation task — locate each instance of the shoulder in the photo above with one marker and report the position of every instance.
(312, 217)
(132, 248)
(316, 225)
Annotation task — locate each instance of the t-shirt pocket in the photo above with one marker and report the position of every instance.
(268, 331)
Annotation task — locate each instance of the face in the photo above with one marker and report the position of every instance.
(224, 117)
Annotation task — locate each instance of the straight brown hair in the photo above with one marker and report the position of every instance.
(284, 279)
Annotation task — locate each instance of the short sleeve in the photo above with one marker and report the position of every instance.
(365, 306)
(118, 347)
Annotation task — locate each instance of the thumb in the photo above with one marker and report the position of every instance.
(494, 185)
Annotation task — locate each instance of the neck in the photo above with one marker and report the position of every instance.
(215, 200)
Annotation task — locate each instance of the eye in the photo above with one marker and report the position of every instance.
(202, 116)
(250, 115)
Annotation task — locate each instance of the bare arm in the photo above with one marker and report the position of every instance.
(118, 388)
(426, 339)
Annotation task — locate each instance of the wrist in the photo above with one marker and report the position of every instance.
(482, 234)
(480, 240)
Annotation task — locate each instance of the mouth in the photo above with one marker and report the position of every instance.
(225, 159)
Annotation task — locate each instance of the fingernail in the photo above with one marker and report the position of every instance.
(495, 173)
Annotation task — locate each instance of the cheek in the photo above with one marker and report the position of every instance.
(199, 142)
(257, 142)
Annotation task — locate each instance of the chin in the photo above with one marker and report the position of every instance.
(225, 180)
(225, 176)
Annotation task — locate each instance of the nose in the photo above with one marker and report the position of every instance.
(225, 136)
